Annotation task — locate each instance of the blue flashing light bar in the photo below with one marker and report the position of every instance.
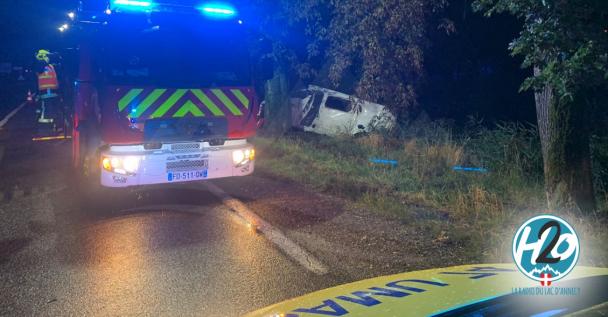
(133, 4)
(218, 10)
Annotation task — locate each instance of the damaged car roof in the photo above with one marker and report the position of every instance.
(325, 111)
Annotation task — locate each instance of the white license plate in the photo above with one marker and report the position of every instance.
(186, 176)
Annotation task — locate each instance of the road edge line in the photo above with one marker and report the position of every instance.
(274, 235)
(11, 114)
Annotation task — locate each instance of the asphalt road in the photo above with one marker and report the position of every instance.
(176, 251)
(168, 251)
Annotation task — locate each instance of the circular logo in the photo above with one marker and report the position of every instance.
(545, 248)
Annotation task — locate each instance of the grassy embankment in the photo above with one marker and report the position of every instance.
(472, 213)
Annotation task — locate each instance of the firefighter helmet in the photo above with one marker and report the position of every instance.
(43, 55)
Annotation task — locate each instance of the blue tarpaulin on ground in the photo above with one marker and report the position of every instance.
(470, 169)
(392, 163)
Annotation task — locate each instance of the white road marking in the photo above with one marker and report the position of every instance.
(273, 234)
(11, 114)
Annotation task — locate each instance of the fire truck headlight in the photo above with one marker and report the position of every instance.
(121, 165)
(238, 157)
(115, 162)
(106, 164)
(130, 164)
(241, 157)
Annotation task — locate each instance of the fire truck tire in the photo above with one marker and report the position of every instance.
(87, 171)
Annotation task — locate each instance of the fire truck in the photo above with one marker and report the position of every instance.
(164, 92)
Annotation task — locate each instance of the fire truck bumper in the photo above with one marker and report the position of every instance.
(126, 166)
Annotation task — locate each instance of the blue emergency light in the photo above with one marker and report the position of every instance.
(132, 4)
(218, 10)
(214, 10)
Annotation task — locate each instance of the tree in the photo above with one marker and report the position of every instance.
(566, 43)
(291, 35)
(379, 42)
(385, 41)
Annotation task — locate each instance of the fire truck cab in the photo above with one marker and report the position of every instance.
(164, 93)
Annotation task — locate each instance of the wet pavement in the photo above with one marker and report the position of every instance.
(175, 251)
(171, 250)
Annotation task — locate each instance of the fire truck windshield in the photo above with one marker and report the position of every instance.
(176, 57)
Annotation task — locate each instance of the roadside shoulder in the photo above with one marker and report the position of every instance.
(354, 242)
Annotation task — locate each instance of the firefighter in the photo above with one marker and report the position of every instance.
(47, 76)
(48, 87)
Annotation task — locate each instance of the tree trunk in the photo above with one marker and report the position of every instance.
(543, 99)
(564, 133)
(277, 112)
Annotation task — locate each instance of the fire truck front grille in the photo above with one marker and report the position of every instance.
(185, 146)
(187, 165)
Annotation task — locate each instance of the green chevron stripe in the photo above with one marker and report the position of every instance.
(128, 98)
(227, 102)
(188, 107)
(144, 105)
(208, 102)
(239, 95)
(162, 110)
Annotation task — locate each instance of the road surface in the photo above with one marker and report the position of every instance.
(169, 251)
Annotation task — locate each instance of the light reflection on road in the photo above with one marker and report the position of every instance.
(117, 251)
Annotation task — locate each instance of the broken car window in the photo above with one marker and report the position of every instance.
(338, 104)
(310, 116)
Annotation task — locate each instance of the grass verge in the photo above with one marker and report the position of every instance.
(471, 215)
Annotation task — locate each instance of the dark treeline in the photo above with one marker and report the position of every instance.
(469, 72)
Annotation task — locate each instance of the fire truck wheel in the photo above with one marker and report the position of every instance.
(86, 173)
(96, 197)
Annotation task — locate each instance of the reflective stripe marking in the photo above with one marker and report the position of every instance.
(234, 101)
(143, 106)
(162, 110)
(188, 107)
(239, 95)
(126, 100)
(273, 234)
(227, 102)
(208, 102)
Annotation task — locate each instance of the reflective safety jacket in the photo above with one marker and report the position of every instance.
(48, 79)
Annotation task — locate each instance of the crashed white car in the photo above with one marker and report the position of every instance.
(330, 112)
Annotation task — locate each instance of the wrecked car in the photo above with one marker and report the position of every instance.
(325, 111)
